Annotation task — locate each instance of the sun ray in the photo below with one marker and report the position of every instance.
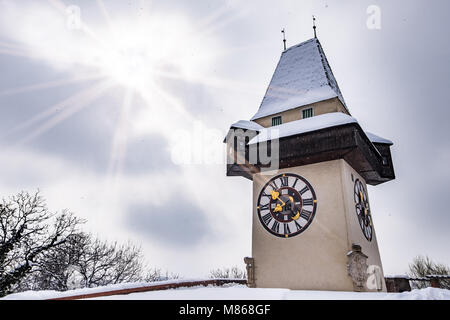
(52, 110)
(49, 84)
(205, 29)
(173, 101)
(223, 23)
(105, 13)
(17, 53)
(203, 23)
(213, 22)
(210, 81)
(68, 111)
(10, 45)
(119, 144)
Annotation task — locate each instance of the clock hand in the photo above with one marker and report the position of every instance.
(276, 196)
(362, 202)
(278, 208)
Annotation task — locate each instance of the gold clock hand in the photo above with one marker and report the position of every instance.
(275, 196)
(361, 197)
(278, 208)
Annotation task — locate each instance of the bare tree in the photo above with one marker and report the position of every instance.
(228, 273)
(56, 270)
(27, 231)
(155, 274)
(100, 263)
(421, 267)
(90, 262)
(40, 250)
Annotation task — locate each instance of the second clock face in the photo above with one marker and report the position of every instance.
(363, 209)
(286, 205)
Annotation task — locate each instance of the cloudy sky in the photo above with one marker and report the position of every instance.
(117, 110)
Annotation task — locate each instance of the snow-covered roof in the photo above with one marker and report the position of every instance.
(377, 139)
(248, 125)
(303, 76)
(287, 129)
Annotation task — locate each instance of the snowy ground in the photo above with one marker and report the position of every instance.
(236, 292)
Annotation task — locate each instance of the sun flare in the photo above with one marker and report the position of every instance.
(142, 53)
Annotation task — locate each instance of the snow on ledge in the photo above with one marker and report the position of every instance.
(377, 139)
(315, 123)
(248, 125)
(396, 276)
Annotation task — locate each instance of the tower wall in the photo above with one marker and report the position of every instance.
(355, 235)
(317, 258)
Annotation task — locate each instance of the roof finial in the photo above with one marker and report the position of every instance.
(284, 38)
(314, 26)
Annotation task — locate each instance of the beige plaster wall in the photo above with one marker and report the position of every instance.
(369, 248)
(316, 259)
(327, 106)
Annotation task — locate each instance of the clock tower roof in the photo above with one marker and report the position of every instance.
(302, 76)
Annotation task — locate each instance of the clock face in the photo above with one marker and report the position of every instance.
(363, 210)
(286, 205)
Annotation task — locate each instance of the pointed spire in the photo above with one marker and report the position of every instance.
(302, 76)
(314, 26)
(284, 38)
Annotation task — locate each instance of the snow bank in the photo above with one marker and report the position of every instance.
(242, 292)
(236, 292)
(51, 294)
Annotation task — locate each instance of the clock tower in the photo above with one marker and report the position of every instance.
(310, 162)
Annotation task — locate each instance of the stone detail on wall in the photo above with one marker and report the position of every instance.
(357, 267)
(250, 265)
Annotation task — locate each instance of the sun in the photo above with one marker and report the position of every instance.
(137, 53)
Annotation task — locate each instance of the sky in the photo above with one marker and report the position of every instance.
(116, 110)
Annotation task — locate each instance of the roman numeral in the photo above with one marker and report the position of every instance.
(267, 218)
(295, 182)
(305, 214)
(308, 202)
(284, 181)
(286, 229)
(299, 227)
(266, 195)
(304, 190)
(274, 185)
(276, 227)
(264, 206)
